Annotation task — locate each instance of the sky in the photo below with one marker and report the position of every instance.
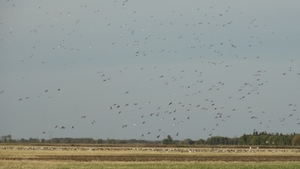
(147, 69)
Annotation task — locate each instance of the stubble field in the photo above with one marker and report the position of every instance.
(20, 156)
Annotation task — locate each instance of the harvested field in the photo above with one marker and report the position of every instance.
(141, 158)
(143, 154)
(52, 157)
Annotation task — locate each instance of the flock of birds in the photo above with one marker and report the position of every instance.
(169, 73)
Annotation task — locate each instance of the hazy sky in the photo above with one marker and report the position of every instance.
(121, 69)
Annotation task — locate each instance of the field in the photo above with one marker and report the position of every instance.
(83, 156)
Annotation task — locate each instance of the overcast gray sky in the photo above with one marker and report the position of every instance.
(121, 69)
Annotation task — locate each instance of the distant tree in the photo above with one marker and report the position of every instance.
(187, 141)
(243, 140)
(215, 140)
(168, 140)
(296, 140)
(254, 140)
(233, 141)
(33, 140)
(7, 138)
(100, 141)
(3, 139)
(55, 140)
(288, 139)
(200, 141)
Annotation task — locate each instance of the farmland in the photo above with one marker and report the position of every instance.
(84, 156)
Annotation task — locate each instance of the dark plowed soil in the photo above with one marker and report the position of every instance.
(141, 158)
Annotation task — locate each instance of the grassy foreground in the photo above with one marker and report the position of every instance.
(146, 165)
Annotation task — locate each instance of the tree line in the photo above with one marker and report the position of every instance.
(261, 138)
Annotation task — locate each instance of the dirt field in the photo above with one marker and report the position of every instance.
(144, 154)
(140, 158)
